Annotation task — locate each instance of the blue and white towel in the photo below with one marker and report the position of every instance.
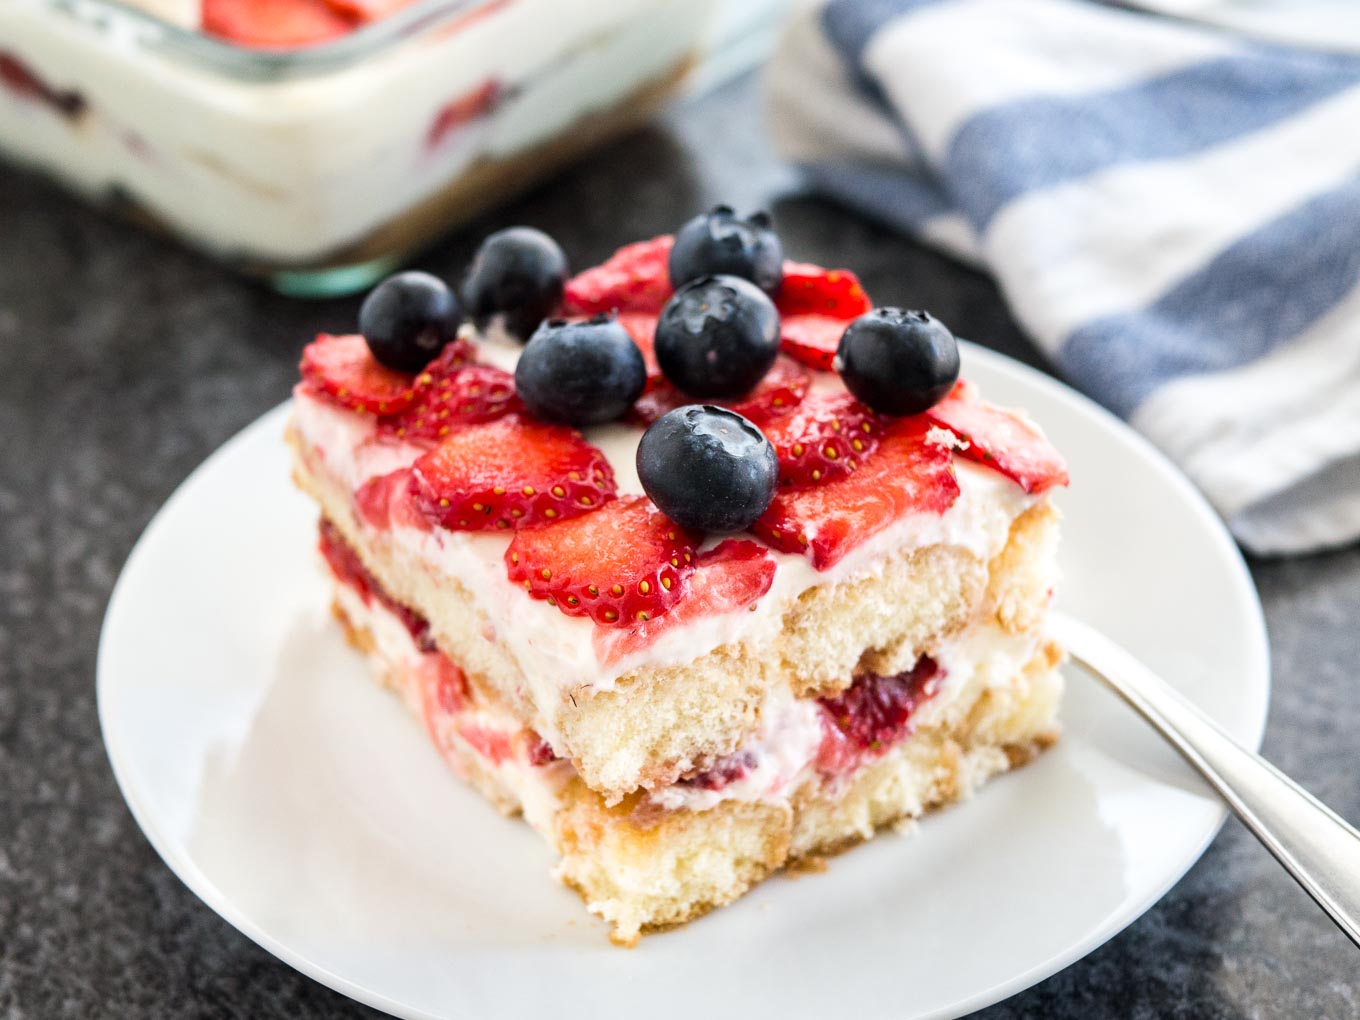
(1172, 211)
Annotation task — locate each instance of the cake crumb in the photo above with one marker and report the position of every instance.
(905, 825)
(811, 865)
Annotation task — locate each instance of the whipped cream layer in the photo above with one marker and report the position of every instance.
(494, 737)
(781, 756)
(558, 653)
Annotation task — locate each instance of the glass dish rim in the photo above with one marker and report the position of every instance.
(264, 64)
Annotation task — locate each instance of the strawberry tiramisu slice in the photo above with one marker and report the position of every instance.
(716, 569)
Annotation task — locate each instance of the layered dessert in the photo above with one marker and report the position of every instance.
(722, 571)
(278, 136)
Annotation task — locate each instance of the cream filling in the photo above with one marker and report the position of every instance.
(981, 657)
(782, 752)
(557, 653)
(536, 787)
(294, 169)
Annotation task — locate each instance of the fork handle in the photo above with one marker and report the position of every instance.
(1312, 841)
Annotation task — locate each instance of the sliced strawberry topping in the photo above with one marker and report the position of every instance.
(274, 23)
(453, 357)
(636, 278)
(343, 370)
(812, 339)
(472, 393)
(825, 437)
(368, 10)
(1001, 439)
(641, 327)
(510, 473)
(731, 576)
(815, 306)
(907, 474)
(872, 714)
(782, 389)
(812, 290)
(625, 563)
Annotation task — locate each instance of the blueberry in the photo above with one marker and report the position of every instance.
(897, 361)
(408, 318)
(518, 273)
(707, 468)
(580, 373)
(720, 241)
(717, 336)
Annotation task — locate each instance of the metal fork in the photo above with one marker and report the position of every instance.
(1312, 841)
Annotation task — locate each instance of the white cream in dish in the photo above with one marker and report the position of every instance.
(289, 171)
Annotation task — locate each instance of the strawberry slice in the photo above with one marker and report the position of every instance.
(907, 474)
(274, 23)
(472, 393)
(342, 369)
(731, 576)
(825, 437)
(815, 307)
(510, 473)
(636, 278)
(626, 563)
(641, 326)
(812, 290)
(812, 338)
(782, 389)
(1001, 439)
(368, 10)
(873, 714)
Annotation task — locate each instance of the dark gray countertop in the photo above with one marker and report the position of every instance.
(124, 361)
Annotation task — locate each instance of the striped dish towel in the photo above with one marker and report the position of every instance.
(1172, 211)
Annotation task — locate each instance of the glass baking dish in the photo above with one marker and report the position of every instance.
(322, 168)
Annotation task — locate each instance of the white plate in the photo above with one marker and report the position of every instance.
(304, 806)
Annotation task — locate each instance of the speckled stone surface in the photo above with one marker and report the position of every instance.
(125, 360)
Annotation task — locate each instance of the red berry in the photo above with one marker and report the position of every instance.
(368, 10)
(626, 563)
(510, 473)
(636, 278)
(872, 714)
(825, 437)
(907, 474)
(731, 576)
(1000, 439)
(476, 102)
(274, 23)
(812, 339)
(345, 372)
(384, 497)
(812, 290)
(349, 569)
(641, 326)
(782, 389)
(472, 393)
(723, 772)
(536, 749)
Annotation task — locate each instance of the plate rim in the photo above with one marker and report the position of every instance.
(184, 868)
